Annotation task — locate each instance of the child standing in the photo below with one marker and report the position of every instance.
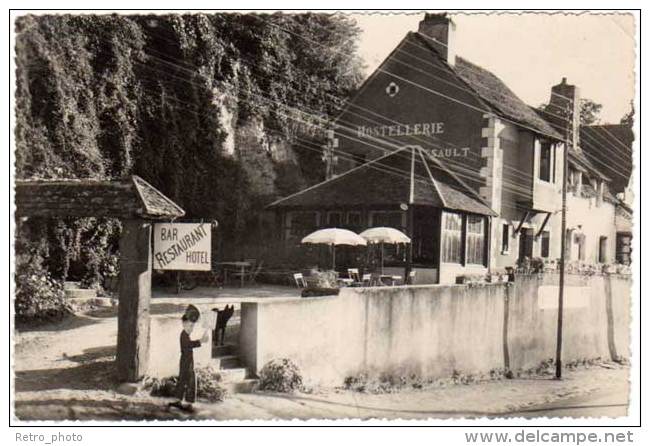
(186, 387)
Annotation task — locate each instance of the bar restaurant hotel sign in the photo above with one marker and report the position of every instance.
(182, 246)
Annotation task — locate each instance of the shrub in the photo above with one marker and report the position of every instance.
(385, 383)
(324, 279)
(163, 387)
(280, 375)
(537, 265)
(39, 297)
(207, 385)
(358, 383)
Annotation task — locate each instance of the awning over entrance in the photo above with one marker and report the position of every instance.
(405, 176)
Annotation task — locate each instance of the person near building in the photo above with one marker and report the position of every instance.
(186, 387)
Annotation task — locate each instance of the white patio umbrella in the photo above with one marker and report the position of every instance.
(333, 237)
(384, 235)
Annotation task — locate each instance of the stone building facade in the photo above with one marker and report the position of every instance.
(486, 144)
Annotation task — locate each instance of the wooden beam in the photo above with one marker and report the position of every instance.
(135, 295)
(521, 223)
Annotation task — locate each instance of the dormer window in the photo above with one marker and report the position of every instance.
(575, 180)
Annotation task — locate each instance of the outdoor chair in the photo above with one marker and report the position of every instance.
(251, 274)
(353, 274)
(411, 278)
(300, 280)
(366, 280)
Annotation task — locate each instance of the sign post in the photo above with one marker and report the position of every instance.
(135, 296)
(137, 204)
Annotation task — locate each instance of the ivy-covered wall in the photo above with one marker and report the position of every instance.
(221, 112)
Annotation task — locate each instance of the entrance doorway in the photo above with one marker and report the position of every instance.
(525, 243)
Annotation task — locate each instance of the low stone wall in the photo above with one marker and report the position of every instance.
(596, 319)
(433, 330)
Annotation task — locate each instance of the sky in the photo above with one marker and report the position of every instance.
(531, 52)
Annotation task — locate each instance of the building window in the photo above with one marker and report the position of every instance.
(475, 240)
(602, 250)
(546, 244)
(452, 231)
(390, 219)
(302, 223)
(580, 241)
(334, 219)
(505, 238)
(526, 243)
(545, 162)
(623, 248)
(354, 219)
(392, 89)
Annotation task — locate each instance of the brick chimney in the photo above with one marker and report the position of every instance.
(440, 29)
(565, 105)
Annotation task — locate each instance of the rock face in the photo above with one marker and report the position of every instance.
(226, 107)
(249, 142)
(252, 149)
(194, 104)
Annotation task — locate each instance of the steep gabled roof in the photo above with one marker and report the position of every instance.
(493, 91)
(155, 203)
(579, 160)
(609, 147)
(386, 181)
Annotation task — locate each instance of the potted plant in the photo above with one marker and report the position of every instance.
(608, 268)
(321, 283)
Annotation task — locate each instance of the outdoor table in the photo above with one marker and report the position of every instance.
(242, 268)
(345, 281)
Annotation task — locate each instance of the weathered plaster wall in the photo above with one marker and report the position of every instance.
(596, 220)
(434, 330)
(449, 272)
(596, 319)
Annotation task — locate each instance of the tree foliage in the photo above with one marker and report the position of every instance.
(628, 118)
(589, 111)
(206, 107)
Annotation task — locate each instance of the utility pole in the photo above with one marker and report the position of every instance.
(328, 154)
(409, 219)
(560, 306)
